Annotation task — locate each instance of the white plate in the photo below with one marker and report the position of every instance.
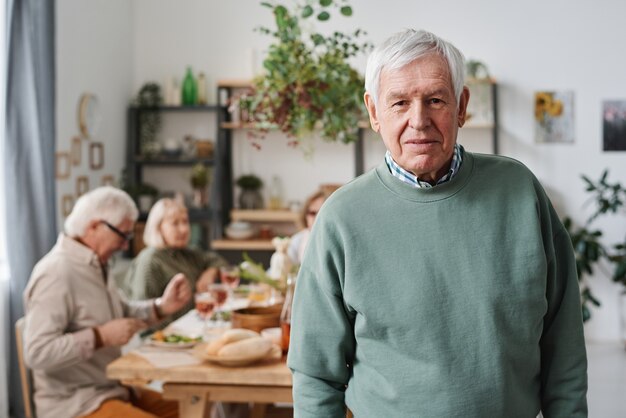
(164, 344)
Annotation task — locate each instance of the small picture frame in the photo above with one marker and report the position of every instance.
(67, 204)
(82, 185)
(77, 150)
(96, 155)
(62, 165)
(107, 180)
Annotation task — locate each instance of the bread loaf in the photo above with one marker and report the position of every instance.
(246, 348)
(230, 336)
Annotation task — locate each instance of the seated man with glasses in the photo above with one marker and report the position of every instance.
(76, 319)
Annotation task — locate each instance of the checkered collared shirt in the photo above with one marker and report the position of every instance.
(410, 178)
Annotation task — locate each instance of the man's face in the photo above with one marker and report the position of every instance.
(108, 241)
(418, 117)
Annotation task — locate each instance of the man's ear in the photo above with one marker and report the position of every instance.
(463, 101)
(371, 109)
(92, 225)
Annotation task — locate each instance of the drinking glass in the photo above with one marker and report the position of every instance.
(229, 275)
(219, 292)
(205, 304)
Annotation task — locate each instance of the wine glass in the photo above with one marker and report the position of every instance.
(229, 275)
(205, 304)
(219, 292)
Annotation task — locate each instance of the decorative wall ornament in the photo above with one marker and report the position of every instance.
(614, 125)
(554, 116)
(62, 165)
(96, 155)
(107, 180)
(77, 150)
(82, 185)
(67, 203)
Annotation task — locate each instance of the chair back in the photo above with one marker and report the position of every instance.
(25, 374)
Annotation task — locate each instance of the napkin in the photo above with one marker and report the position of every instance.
(164, 357)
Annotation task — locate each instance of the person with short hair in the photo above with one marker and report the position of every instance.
(167, 254)
(76, 320)
(441, 283)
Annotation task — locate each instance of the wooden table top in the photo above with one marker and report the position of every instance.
(132, 367)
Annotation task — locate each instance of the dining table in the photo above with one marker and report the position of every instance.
(196, 383)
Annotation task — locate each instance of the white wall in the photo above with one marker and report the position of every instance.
(528, 46)
(94, 48)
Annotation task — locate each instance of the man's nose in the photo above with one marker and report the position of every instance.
(419, 117)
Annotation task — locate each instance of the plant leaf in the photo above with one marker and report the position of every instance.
(323, 16)
(347, 11)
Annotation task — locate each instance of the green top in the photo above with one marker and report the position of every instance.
(152, 269)
(457, 301)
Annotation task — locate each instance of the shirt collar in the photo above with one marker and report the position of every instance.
(409, 178)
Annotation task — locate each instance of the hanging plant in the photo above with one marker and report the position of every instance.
(309, 83)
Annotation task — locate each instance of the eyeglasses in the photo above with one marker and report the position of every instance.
(126, 236)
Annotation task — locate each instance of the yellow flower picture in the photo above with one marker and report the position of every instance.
(554, 116)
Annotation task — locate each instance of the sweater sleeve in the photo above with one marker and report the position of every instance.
(322, 334)
(563, 355)
(146, 278)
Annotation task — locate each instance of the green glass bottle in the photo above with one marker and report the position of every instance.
(190, 89)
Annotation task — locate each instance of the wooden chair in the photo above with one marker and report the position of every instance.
(25, 373)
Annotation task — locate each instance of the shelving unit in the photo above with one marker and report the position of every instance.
(285, 222)
(483, 109)
(136, 162)
(224, 177)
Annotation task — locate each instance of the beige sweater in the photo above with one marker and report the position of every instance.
(65, 297)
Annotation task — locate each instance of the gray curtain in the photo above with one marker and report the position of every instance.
(29, 154)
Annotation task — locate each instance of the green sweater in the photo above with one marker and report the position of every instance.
(152, 269)
(457, 301)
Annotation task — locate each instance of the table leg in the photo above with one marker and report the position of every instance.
(258, 410)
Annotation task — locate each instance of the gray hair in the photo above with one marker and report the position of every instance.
(152, 235)
(103, 203)
(405, 47)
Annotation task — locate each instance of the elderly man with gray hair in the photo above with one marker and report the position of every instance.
(441, 283)
(76, 320)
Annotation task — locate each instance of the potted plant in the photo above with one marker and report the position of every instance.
(199, 181)
(144, 194)
(148, 99)
(250, 196)
(309, 83)
(609, 198)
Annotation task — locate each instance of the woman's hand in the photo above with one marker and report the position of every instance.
(207, 277)
(176, 294)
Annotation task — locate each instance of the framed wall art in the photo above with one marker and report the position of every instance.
(62, 165)
(96, 155)
(107, 180)
(82, 185)
(67, 203)
(614, 125)
(77, 150)
(554, 116)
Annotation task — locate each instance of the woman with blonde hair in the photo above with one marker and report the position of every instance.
(166, 236)
(309, 211)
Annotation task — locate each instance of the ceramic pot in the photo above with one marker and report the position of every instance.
(250, 199)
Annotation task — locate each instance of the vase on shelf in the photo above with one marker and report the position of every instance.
(200, 198)
(190, 89)
(250, 199)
